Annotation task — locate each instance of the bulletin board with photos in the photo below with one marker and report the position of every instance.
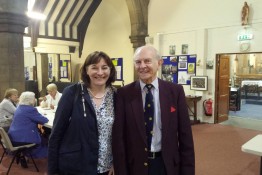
(118, 63)
(178, 68)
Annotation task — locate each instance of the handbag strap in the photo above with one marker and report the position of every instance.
(77, 92)
(79, 87)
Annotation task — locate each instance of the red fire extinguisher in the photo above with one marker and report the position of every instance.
(207, 104)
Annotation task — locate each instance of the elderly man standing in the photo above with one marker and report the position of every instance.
(152, 133)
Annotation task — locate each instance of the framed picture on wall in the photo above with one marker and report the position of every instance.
(198, 83)
(184, 49)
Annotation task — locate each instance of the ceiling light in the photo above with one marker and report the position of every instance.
(36, 15)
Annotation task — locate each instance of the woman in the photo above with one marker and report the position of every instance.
(53, 97)
(24, 128)
(80, 142)
(8, 107)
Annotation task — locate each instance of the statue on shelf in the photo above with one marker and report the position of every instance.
(245, 14)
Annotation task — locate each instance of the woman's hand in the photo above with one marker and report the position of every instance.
(51, 106)
(111, 171)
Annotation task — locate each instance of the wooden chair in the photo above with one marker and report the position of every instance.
(233, 102)
(251, 89)
(15, 151)
(3, 149)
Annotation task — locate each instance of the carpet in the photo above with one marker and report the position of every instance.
(248, 111)
(218, 150)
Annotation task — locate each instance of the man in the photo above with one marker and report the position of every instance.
(169, 150)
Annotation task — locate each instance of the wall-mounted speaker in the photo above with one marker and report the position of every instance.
(72, 49)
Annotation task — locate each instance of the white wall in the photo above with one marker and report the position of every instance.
(109, 31)
(208, 27)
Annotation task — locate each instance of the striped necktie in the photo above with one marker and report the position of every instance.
(149, 114)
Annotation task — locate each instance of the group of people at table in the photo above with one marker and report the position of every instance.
(140, 129)
(22, 120)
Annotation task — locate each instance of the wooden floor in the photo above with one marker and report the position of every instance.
(217, 151)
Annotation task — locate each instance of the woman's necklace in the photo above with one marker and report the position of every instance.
(96, 96)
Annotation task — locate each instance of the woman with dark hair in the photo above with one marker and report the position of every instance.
(80, 141)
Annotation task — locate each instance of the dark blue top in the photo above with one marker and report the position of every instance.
(24, 126)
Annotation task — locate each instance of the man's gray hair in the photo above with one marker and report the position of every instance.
(147, 47)
(27, 98)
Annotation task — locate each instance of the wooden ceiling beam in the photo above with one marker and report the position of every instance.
(61, 11)
(49, 17)
(75, 18)
(33, 29)
(67, 17)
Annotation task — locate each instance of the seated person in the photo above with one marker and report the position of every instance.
(8, 107)
(24, 128)
(52, 98)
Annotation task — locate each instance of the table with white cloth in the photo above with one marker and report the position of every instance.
(254, 146)
(48, 113)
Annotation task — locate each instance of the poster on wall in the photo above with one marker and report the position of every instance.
(178, 68)
(182, 77)
(184, 49)
(118, 63)
(63, 71)
(209, 64)
(169, 68)
(64, 68)
(191, 68)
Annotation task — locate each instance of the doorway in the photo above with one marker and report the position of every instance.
(238, 86)
(222, 88)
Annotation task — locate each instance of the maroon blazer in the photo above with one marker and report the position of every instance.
(129, 134)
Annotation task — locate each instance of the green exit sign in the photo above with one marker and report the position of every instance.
(245, 37)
